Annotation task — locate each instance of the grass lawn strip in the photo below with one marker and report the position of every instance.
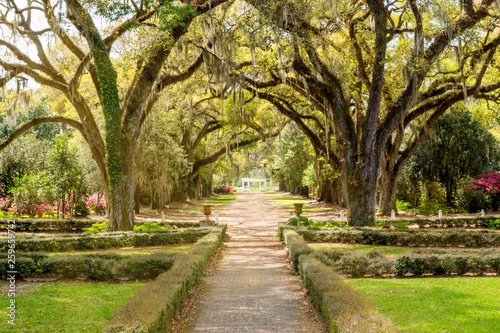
(67, 307)
(133, 250)
(428, 305)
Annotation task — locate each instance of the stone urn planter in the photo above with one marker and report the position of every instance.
(298, 208)
(207, 211)
(207, 222)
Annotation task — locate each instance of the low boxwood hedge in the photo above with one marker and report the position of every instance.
(72, 242)
(65, 225)
(402, 237)
(360, 264)
(442, 265)
(153, 307)
(445, 222)
(72, 225)
(296, 246)
(99, 266)
(342, 308)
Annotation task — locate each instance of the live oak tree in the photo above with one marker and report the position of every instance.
(374, 67)
(364, 70)
(71, 22)
(217, 124)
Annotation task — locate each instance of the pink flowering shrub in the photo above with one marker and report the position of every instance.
(96, 206)
(223, 189)
(482, 193)
(91, 202)
(4, 205)
(229, 188)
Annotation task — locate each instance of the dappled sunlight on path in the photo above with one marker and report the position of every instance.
(252, 287)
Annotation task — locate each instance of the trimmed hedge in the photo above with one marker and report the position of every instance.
(24, 267)
(72, 225)
(73, 242)
(373, 263)
(296, 246)
(153, 307)
(98, 266)
(357, 264)
(343, 308)
(443, 265)
(447, 222)
(402, 237)
(67, 225)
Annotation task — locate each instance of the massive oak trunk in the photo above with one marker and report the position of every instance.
(362, 188)
(121, 215)
(389, 175)
(330, 190)
(388, 189)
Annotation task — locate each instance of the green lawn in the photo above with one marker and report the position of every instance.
(66, 307)
(222, 199)
(385, 250)
(134, 250)
(462, 304)
(287, 199)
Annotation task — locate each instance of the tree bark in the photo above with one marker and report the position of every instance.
(329, 191)
(362, 186)
(137, 200)
(389, 175)
(196, 185)
(121, 215)
(388, 188)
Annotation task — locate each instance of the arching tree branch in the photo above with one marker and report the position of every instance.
(235, 145)
(40, 120)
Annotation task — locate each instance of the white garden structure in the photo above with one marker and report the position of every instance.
(253, 180)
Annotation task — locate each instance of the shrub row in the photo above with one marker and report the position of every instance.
(373, 263)
(104, 267)
(441, 265)
(342, 308)
(74, 242)
(296, 246)
(403, 237)
(72, 225)
(448, 222)
(67, 225)
(153, 307)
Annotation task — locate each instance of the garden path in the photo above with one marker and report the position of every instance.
(252, 287)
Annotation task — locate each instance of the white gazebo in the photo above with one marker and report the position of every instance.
(254, 180)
